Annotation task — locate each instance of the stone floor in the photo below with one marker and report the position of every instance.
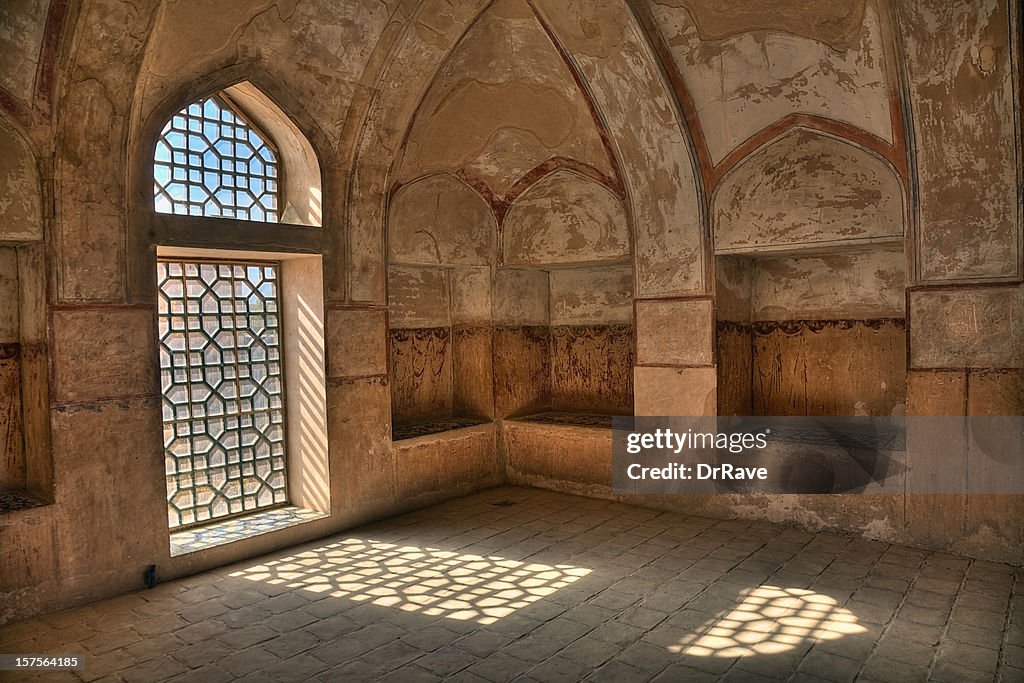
(520, 584)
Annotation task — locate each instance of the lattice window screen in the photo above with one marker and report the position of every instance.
(223, 389)
(210, 161)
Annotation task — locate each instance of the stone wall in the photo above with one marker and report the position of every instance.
(601, 206)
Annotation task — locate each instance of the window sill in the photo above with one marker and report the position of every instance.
(240, 528)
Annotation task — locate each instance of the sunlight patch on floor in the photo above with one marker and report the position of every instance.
(768, 620)
(433, 582)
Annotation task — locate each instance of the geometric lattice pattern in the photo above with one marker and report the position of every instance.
(210, 162)
(223, 389)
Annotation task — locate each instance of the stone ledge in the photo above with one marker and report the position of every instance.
(568, 419)
(12, 501)
(417, 430)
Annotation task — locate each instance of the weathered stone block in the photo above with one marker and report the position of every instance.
(936, 392)
(105, 352)
(30, 560)
(95, 447)
(521, 297)
(675, 332)
(356, 342)
(855, 286)
(592, 296)
(733, 288)
(432, 468)
(12, 450)
(567, 458)
(735, 369)
(418, 297)
(473, 372)
(684, 392)
(592, 369)
(830, 368)
(976, 327)
(522, 370)
(421, 374)
(359, 434)
(10, 326)
(995, 392)
(471, 295)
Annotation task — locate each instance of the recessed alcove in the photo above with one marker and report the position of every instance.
(557, 341)
(439, 354)
(578, 335)
(810, 284)
(493, 319)
(812, 334)
(26, 466)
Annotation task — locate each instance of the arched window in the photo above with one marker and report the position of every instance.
(240, 318)
(211, 161)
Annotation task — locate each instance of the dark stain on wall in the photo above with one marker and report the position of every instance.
(522, 370)
(829, 367)
(592, 369)
(473, 372)
(735, 368)
(421, 386)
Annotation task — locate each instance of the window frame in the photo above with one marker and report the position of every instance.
(221, 99)
(299, 245)
(282, 360)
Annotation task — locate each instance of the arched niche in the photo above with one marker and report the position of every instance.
(438, 219)
(810, 267)
(290, 252)
(441, 249)
(25, 460)
(20, 206)
(509, 245)
(807, 189)
(612, 60)
(302, 148)
(299, 191)
(565, 218)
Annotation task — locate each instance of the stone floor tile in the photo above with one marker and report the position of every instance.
(160, 669)
(657, 604)
(558, 670)
(886, 670)
(829, 667)
(301, 667)
(446, 660)
(499, 668)
(248, 660)
(618, 672)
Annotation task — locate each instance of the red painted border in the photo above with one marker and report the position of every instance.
(500, 204)
(712, 174)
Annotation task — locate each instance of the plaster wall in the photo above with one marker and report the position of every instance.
(638, 137)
